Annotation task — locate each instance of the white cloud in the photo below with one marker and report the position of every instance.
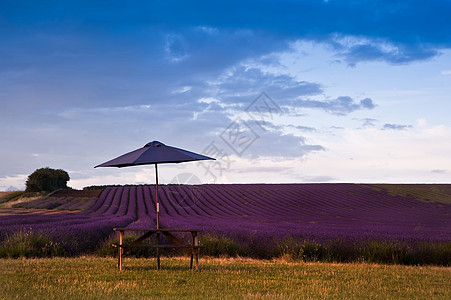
(208, 100)
(77, 113)
(182, 90)
(105, 176)
(365, 155)
(371, 155)
(446, 73)
(17, 181)
(208, 30)
(175, 48)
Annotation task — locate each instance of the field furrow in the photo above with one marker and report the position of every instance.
(255, 215)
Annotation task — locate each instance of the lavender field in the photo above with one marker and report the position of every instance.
(339, 222)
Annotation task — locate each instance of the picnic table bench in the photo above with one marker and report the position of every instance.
(193, 248)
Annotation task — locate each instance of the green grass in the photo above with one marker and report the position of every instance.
(98, 278)
(440, 193)
(26, 243)
(10, 196)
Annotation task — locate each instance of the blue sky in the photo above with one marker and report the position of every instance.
(277, 91)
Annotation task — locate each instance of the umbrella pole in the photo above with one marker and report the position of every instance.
(156, 197)
(158, 216)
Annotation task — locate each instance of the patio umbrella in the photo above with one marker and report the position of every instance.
(154, 153)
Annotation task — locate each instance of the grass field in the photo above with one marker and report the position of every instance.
(98, 278)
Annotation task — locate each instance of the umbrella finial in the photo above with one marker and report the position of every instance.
(154, 144)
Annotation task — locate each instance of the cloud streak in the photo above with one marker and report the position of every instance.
(339, 106)
(396, 127)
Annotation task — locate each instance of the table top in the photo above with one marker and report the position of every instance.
(157, 230)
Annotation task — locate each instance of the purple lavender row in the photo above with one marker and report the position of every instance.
(255, 213)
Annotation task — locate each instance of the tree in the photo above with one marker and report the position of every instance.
(47, 180)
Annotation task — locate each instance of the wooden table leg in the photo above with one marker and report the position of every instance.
(196, 250)
(119, 263)
(192, 253)
(158, 251)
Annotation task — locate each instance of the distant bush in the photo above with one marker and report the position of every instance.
(98, 187)
(292, 249)
(26, 243)
(302, 250)
(47, 180)
(220, 245)
(421, 253)
(372, 251)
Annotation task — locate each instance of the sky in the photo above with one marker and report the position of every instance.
(276, 91)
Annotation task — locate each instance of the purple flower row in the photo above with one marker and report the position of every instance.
(256, 213)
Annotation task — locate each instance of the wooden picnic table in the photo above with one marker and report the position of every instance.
(193, 248)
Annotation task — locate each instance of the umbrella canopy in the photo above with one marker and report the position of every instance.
(154, 153)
